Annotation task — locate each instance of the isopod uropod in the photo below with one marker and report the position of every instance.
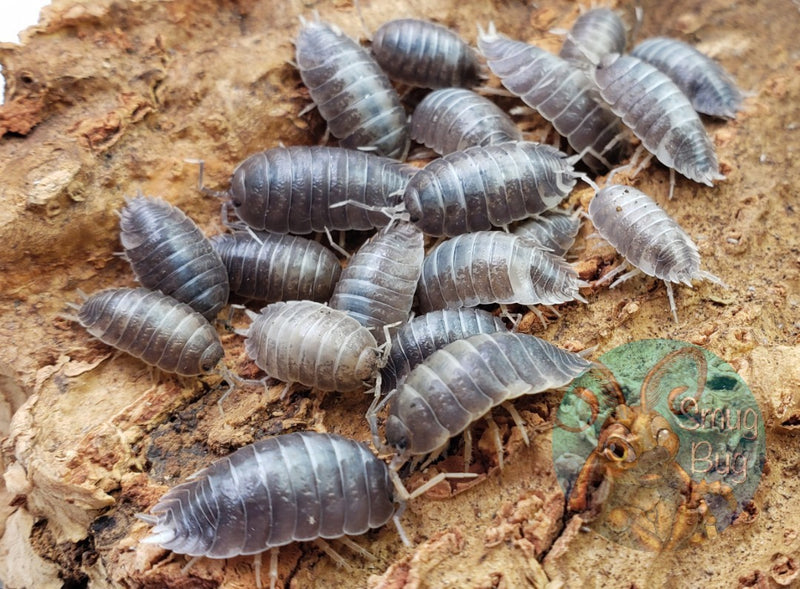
(423, 53)
(351, 91)
(168, 252)
(647, 237)
(154, 328)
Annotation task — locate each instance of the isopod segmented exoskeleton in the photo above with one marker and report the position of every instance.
(271, 267)
(454, 119)
(293, 487)
(310, 343)
(377, 287)
(560, 92)
(423, 53)
(595, 33)
(494, 267)
(462, 381)
(423, 335)
(647, 237)
(303, 189)
(709, 87)
(168, 252)
(484, 187)
(659, 114)
(351, 91)
(154, 328)
(554, 230)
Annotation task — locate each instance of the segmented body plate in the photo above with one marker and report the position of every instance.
(554, 230)
(596, 32)
(293, 487)
(154, 328)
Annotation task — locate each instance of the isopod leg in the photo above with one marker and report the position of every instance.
(671, 301)
(337, 558)
(273, 567)
(625, 277)
(257, 569)
(498, 440)
(357, 549)
(512, 411)
(467, 448)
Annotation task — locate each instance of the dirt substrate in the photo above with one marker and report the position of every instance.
(107, 99)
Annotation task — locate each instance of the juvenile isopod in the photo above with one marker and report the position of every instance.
(423, 335)
(454, 119)
(596, 32)
(153, 327)
(423, 53)
(560, 92)
(271, 267)
(659, 114)
(377, 287)
(494, 267)
(168, 252)
(462, 381)
(709, 87)
(293, 487)
(351, 91)
(303, 189)
(554, 230)
(648, 238)
(309, 343)
(484, 187)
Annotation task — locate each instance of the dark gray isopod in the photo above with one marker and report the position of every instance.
(709, 87)
(271, 267)
(596, 32)
(351, 91)
(554, 230)
(423, 53)
(484, 187)
(294, 189)
(168, 252)
(488, 267)
(423, 335)
(154, 328)
(560, 92)
(463, 381)
(454, 119)
(377, 287)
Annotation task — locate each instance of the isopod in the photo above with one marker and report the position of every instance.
(423, 335)
(596, 32)
(309, 343)
(494, 267)
(377, 287)
(462, 381)
(351, 91)
(153, 327)
(271, 267)
(302, 189)
(659, 114)
(484, 187)
(454, 119)
(647, 237)
(560, 92)
(293, 487)
(168, 252)
(554, 230)
(709, 87)
(423, 53)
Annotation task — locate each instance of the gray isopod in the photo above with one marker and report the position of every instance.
(154, 328)
(312, 344)
(377, 287)
(494, 267)
(454, 119)
(648, 237)
(709, 87)
(423, 53)
(463, 381)
(293, 487)
(554, 230)
(302, 189)
(659, 113)
(168, 252)
(560, 92)
(484, 187)
(596, 32)
(271, 267)
(351, 91)
(423, 335)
